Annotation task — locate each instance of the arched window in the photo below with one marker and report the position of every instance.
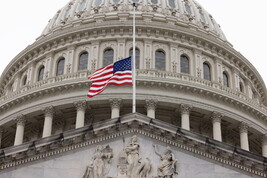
(206, 71)
(154, 1)
(160, 62)
(171, 3)
(184, 64)
(188, 8)
(67, 12)
(24, 80)
(41, 74)
(82, 5)
(137, 57)
(83, 61)
(225, 80)
(241, 87)
(108, 57)
(60, 66)
(202, 16)
(98, 2)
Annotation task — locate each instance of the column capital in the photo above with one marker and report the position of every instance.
(1, 129)
(49, 111)
(264, 139)
(216, 117)
(115, 103)
(151, 103)
(20, 120)
(185, 109)
(80, 105)
(243, 128)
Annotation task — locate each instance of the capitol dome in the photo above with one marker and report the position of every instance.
(197, 97)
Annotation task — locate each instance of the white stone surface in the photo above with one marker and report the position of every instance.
(73, 164)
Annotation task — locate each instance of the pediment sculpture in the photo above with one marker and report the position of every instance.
(100, 165)
(130, 164)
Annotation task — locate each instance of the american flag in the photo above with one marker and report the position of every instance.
(119, 73)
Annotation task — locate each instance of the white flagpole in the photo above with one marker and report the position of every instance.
(133, 62)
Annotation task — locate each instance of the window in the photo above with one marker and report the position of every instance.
(154, 1)
(24, 81)
(67, 13)
(55, 19)
(60, 66)
(98, 2)
(171, 3)
(82, 5)
(188, 8)
(41, 74)
(135, 1)
(160, 62)
(206, 71)
(83, 61)
(202, 16)
(241, 87)
(137, 57)
(108, 57)
(184, 64)
(225, 80)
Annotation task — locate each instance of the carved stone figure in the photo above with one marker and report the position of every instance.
(132, 152)
(167, 168)
(144, 169)
(100, 165)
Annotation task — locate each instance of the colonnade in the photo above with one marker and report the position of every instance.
(150, 105)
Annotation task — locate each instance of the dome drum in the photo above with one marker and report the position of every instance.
(189, 78)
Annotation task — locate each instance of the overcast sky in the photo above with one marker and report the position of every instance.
(243, 22)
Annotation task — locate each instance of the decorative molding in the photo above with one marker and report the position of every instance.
(80, 105)
(21, 120)
(243, 128)
(115, 103)
(185, 109)
(216, 117)
(264, 139)
(151, 104)
(49, 111)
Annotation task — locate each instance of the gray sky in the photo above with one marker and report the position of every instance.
(243, 22)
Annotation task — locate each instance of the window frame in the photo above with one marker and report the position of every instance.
(112, 61)
(163, 52)
(188, 60)
(57, 69)
(204, 71)
(79, 61)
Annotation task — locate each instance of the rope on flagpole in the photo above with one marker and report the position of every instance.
(133, 62)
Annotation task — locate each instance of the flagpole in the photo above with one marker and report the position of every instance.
(133, 66)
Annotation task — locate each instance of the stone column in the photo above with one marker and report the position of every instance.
(264, 145)
(244, 136)
(151, 106)
(115, 107)
(1, 135)
(185, 112)
(20, 130)
(48, 112)
(81, 107)
(216, 121)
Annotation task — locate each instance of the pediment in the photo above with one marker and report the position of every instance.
(104, 147)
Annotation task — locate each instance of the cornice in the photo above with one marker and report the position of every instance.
(133, 124)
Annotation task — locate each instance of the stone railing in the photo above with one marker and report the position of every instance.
(184, 79)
